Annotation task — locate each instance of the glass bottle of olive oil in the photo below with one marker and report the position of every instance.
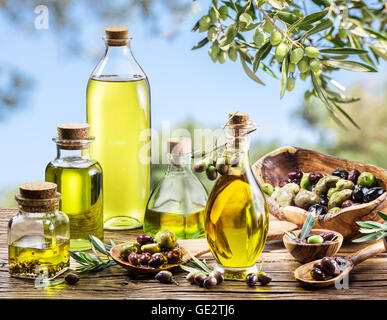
(39, 235)
(236, 213)
(79, 180)
(178, 202)
(118, 111)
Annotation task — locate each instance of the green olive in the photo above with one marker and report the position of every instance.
(304, 75)
(233, 54)
(267, 188)
(151, 248)
(129, 247)
(259, 37)
(281, 51)
(325, 183)
(305, 199)
(315, 239)
(214, 15)
(290, 84)
(366, 179)
(339, 197)
(222, 57)
(275, 38)
(292, 67)
(334, 209)
(344, 184)
(305, 182)
(166, 239)
(312, 52)
(213, 52)
(303, 65)
(296, 55)
(268, 27)
(204, 23)
(283, 197)
(223, 11)
(331, 191)
(292, 187)
(314, 66)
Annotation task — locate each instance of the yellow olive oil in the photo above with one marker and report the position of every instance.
(184, 225)
(118, 112)
(27, 255)
(81, 190)
(236, 221)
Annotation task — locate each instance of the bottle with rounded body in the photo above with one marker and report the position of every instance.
(237, 215)
(118, 111)
(178, 202)
(39, 234)
(79, 180)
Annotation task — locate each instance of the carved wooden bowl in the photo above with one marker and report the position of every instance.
(306, 252)
(274, 166)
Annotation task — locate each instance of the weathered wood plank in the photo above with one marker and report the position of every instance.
(368, 281)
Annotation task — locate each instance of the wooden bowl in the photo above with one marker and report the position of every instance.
(306, 252)
(115, 254)
(274, 167)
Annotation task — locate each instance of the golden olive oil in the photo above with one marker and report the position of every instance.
(185, 226)
(118, 112)
(30, 252)
(81, 190)
(236, 221)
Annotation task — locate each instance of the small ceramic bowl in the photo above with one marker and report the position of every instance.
(305, 252)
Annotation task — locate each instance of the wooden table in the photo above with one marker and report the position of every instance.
(368, 281)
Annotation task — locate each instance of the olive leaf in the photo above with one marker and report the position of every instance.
(307, 226)
(323, 25)
(199, 263)
(284, 76)
(291, 235)
(308, 19)
(366, 238)
(249, 72)
(201, 43)
(343, 51)
(373, 229)
(349, 65)
(261, 54)
(382, 215)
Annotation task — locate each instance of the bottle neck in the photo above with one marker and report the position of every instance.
(118, 51)
(179, 163)
(72, 154)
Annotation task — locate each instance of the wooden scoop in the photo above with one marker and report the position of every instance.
(302, 273)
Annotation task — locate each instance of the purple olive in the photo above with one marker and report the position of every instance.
(164, 276)
(330, 266)
(71, 278)
(174, 256)
(134, 259)
(353, 175)
(318, 274)
(342, 262)
(251, 279)
(199, 279)
(347, 203)
(297, 174)
(314, 177)
(200, 166)
(144, 258)
(317, 265)
(263, 278)
(145, 239)
(157, 260)
(218, 276)
(209, 282)
(211, 173)
(328, 236)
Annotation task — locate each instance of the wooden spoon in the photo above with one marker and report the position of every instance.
(302, 273)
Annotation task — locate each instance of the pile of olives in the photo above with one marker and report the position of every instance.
(318, 238)
(152, 252)
(325, 193)
(328, 267)
(203, 280)
(214, 166)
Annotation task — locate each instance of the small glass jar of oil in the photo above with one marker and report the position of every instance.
(178, 202)
(79, 180)
(236, 213)
(39, 235)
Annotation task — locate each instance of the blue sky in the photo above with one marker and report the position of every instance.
(184, 84)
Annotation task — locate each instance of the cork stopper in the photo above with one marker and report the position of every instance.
(71, 136)
(117, 36)
(38, 190)
(180, 145)
(38, 197)
(239, 118)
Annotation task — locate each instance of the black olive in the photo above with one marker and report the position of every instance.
(209, 282)
(211, 173)
(373, 194)
(347, 203)
(317, 265)
(340, 173)
(72, 278)
(144, 258)
(318, 274)
(263, 278)
(358, 193)
(218, 276)
(251, 279)
(330, 266)
(164, 276)
(328, 236)
(296, 181)
(199, 279)
(318, 208)
(341, 261)
(145, 239)
(314, 177)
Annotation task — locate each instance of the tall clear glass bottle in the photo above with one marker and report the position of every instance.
(79, 180)
(118, 111)
(236, 213)
(178, 202)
